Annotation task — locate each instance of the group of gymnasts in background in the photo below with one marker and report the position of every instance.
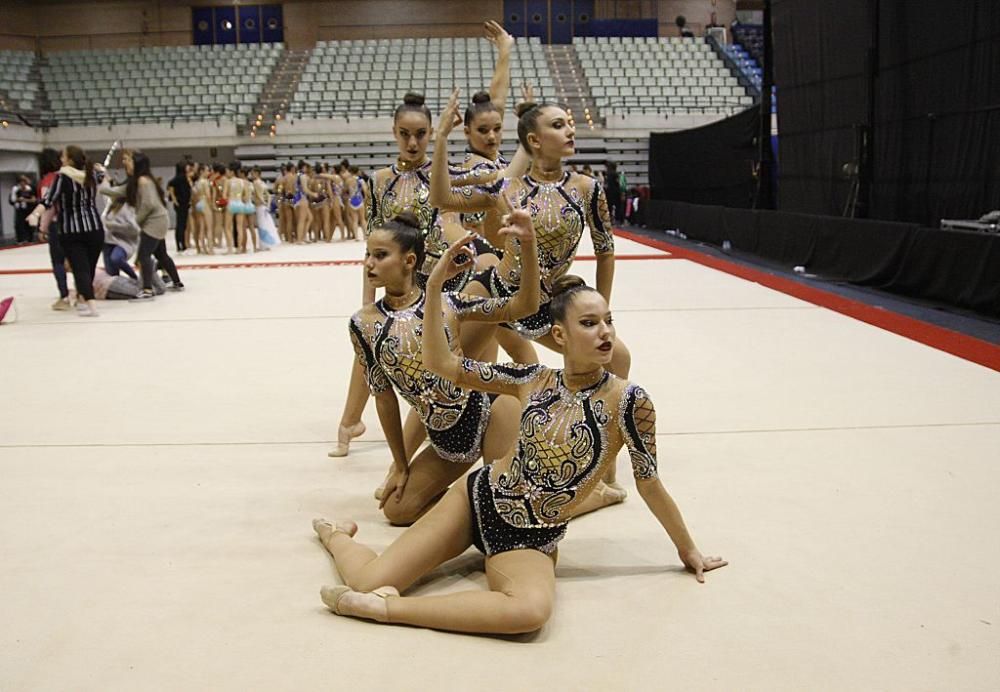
(472, 257)
(229, 209)
(317, 203)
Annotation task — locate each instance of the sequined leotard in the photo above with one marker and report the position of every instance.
(560, 212)
(395, 191)
(479, 170)
(566, 441)
(388, 344)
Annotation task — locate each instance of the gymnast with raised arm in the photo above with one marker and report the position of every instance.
(405, 187)
(562, 205)
(573, 423)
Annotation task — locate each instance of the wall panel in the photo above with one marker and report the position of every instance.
(55, 25)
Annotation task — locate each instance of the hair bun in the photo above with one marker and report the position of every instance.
(407, 218)
(524, 107)
(565, 283)
(413, 99)
(481, 97)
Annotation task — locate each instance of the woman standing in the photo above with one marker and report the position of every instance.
(81, 234)
(144, 195)
(179, 194)
(262, 206)
(201, 215)
(300, 201)
(49, 164)
(574, 421)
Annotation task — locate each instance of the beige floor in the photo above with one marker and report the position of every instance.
(154, 532)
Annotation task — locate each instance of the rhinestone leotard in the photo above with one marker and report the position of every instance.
(387, 342)
(477, 170)
(567, 439)
(394, 192)
(560, 212)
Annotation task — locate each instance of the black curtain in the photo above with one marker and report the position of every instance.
(936, 133)
(937, 143)
(819, 70)
(951, 267)
(713, 164)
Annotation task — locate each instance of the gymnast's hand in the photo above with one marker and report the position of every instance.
(455, 260)
(699, 564)
(498, 36)
(451, 117)
(527, 93)
(518, 224)
(394, 485)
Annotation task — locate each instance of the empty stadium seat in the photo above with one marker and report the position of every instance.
(162, 84)
(665, 75)
(355, 78)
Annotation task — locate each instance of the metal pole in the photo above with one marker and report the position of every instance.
(764, 199)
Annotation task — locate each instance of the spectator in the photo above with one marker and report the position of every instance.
(121, 238)
(81, 233)
(143, 194)
(179, 194)
(121, 287)
(23, 199)
(681, 22)
(49, 167)
(616, 184)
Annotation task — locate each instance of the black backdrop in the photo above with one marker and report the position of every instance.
(933, 57)
(706, 165)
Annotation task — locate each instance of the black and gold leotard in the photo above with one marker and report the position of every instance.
(560, 212)
(395, 191)
(477, 170)
(388, 344)
(567, 439)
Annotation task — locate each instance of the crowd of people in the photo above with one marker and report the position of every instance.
(85, 216)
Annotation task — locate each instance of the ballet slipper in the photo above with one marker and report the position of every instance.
(371, 605)
(344, 436)
(610, 493)
(325, 529)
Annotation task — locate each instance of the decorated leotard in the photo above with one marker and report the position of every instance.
(479, 170)
(388, 344)
(560, 212)
(394, 191)
(566, 442)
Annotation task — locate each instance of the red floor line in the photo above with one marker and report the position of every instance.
(955, 343)
(320, 263)
(20, 247)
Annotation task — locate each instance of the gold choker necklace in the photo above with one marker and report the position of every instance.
(401, 302)
(586, 379)
(405, 166)
(544, 177)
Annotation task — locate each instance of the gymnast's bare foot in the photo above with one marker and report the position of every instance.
(325, 529)
(343, 600)
(344, 436)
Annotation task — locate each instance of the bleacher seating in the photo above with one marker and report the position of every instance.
(659, 75)
(368, 78)
(161, 84)
(747, 52)
(751, 38)
(18, 90)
